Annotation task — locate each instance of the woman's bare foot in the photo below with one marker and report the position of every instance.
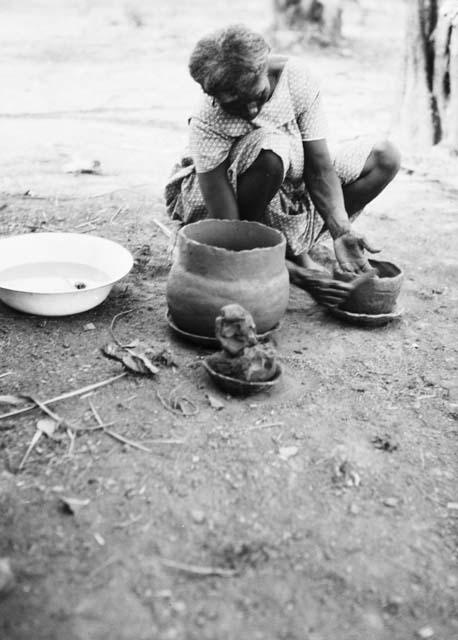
(304, 260)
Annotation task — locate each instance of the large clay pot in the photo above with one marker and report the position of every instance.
(218, 262)
(376, 295)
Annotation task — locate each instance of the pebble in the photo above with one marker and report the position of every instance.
(425, 632)
(390, 502)
(285, 453)
(393, 604)
(6, 576)
(354, 509)
(90, 326)
(179, 607)
(452, 581)
(198, 516)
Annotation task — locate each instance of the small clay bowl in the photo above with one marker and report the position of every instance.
(375, 295)
(237, 387)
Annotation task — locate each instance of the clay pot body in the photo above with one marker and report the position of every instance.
(376, 295)
(218, 262)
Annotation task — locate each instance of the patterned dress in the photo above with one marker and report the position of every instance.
(292, 115)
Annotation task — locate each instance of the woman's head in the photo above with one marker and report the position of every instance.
(228, 62)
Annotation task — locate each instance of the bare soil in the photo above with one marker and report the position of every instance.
(324, 509)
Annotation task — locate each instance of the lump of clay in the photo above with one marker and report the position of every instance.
(235, 329)
(254, 364)
(242, 356)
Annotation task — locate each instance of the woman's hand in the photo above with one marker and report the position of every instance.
(319, 284)
(349, 249)
(324, 290)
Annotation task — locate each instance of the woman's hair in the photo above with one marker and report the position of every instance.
(228, 60)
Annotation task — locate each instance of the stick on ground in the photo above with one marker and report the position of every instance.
(198, 570)
(64, 396)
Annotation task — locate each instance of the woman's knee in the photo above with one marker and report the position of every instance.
(270, 164)
(387, 158)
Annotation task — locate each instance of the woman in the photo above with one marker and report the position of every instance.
(258, 151)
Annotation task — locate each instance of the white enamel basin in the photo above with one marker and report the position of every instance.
(58, 274)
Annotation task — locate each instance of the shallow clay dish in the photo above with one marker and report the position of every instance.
(210, 341)
(366, 319)
(376, 295)
(240, 387)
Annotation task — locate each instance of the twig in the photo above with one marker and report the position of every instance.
(116, 214)
(265, 426)
(68, 394)
(162, 227)
(87, 223)
(95, 413)
(124, 440)
(115, 435)
(36, 436)
(97, 428)
(113, 322)
(173, 402)
(127, 523)
(7, 373)
(44, 408)
(71, 447)
(167, 406)
(104, 565)
(198, 570)
(164, 441)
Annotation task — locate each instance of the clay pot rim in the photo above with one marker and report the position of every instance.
(281, 237)
(242, 387)
(374, 263)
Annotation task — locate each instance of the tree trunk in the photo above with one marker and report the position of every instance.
(429, 110)
(310, 19)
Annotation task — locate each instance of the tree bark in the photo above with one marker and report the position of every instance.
(429, 109)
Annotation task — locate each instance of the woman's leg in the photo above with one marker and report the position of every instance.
(380, 168)
(258, 184)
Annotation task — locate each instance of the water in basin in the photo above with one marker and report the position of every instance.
(52, 277)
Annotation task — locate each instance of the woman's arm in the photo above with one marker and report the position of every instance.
(324, 187)
(326, 192)
(218, 194)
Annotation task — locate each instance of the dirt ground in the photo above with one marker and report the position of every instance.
(325, 509)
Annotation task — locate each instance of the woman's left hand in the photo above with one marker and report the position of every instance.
(349, 249)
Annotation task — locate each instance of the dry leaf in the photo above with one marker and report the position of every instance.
(13, 400)
(166, 357)
(137, 358)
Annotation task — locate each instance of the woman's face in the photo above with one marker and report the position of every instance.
(247, 103)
